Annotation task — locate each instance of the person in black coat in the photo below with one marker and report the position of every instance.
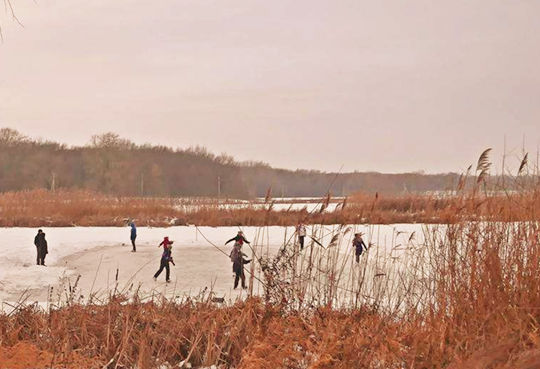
(41, 247)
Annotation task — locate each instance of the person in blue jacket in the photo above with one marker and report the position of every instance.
(133, 236)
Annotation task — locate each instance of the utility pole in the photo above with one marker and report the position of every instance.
(503, 163)
(537, 160)
(142, 184)
(53, 181)
(219, 186)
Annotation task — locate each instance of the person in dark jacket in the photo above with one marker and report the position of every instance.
(133, 236)
(359, 245)
(237, 258)
(238, 268)
(239, 239)
(41, 247)
(166, 258)
(301, 232)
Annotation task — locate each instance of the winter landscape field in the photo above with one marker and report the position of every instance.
(98, 260)
(251, 184)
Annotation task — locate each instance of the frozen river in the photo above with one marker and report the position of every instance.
(103, 259)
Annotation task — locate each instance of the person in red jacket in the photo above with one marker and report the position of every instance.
(239, 239)
(166, 258)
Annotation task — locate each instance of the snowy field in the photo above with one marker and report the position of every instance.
(102, 258)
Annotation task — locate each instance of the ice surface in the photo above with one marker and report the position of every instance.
(97, 254)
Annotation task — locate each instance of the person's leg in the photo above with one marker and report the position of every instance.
(236, 279)
(41, 256)
(37, 256)
(243, 277)
(167, 272)
(301, 242)
(133, 244)
(357, 257)
(161, 266)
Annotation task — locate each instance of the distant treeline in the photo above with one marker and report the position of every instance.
(113, 165)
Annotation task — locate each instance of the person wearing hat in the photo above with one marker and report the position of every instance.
(41, 247)
(166, 258)
(359, 245)
(237, 258)
(239, 240)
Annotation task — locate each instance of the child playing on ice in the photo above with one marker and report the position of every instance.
(237, 258)
(166, 258)
(239, 240)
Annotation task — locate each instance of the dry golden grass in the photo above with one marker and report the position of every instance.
(470, 299)
(81, 208)
(469, 296)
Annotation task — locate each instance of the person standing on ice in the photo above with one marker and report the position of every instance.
(133, 236)
(166, 258)
(359, 245)
(238, 268)
(41, 247)
(301, 232)
(237, 258)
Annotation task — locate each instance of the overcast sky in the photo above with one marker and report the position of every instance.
(391, 86)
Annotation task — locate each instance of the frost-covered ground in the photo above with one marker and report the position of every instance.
(101, 254)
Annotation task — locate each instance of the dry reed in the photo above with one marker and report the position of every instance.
(466, 296)
(39, 208)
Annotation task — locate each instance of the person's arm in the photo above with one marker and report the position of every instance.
(232, 239)
(35, 241)
(246, 241)
(363, 244)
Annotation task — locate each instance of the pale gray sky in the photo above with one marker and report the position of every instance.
(391, 86)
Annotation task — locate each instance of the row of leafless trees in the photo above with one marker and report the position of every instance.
(114, 165)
